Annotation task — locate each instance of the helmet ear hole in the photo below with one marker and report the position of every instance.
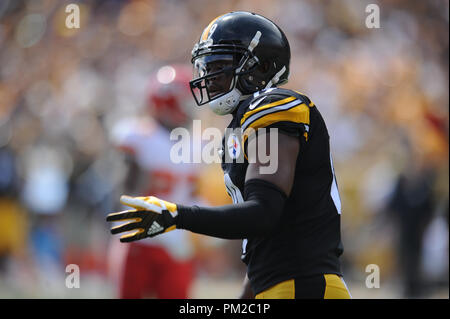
(264, 67)
(247, 84)
(251, 82)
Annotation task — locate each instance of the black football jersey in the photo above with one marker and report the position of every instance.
(307, 239)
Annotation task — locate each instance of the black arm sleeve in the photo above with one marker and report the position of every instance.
(256, 216)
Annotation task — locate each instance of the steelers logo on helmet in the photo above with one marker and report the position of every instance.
(238, 53)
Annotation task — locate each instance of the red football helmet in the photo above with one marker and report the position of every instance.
(170, 100)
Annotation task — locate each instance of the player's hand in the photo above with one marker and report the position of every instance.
(151, 216)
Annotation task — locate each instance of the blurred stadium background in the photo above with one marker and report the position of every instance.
(383, 93)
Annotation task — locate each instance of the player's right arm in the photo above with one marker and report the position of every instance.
(258, 215)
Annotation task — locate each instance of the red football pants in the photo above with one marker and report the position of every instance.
(151, 272)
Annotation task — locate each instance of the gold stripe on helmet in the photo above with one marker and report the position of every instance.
(206, 31)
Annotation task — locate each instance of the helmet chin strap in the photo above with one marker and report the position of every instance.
(276, 77)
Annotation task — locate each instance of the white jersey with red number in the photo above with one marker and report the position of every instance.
(150, 144)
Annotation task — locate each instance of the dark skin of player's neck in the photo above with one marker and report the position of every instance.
(288, 150)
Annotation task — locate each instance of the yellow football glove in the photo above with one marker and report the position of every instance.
(151, 216)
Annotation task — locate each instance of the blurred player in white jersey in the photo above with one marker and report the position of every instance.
(159, 267)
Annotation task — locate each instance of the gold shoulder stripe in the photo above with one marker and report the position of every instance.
(266, 106)
(298, 114)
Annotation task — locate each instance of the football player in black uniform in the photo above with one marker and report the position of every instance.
(288, 217)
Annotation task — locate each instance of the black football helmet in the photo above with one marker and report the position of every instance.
(238, 53)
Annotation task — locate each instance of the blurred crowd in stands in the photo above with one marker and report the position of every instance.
(383, 93)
